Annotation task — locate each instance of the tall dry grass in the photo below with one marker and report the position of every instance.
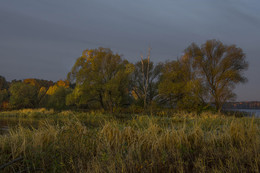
(142, 144)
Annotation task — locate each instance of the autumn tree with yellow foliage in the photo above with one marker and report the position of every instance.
(55, 96)
(222, 68)
(180, 86)
(102, 80)
(212, 70)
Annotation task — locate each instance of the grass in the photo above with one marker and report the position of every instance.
(89, 142)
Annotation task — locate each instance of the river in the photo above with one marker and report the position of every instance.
(250, 112)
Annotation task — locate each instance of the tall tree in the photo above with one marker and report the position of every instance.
(145, 80)
(57, 99)
(55, 96)
(102, 79)
(145, 74)
(221, 66)
(180, 86)
(23, 95)
(4, 95)
(3, 83)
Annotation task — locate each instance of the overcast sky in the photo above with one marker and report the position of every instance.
(43, 38)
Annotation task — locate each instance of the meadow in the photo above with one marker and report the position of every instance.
(70, 141)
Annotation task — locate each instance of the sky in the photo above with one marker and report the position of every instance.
(42, 39)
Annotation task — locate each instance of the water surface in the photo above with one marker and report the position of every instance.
(249, 112)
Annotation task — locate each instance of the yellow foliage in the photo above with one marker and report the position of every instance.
(134, 95)
(5, 105)
(52, 90)
(63, 83)
(42, 90)
(32, 82)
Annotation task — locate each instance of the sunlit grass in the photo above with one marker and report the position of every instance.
(103, 143)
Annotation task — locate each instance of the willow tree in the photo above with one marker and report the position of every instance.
(180, 86)
(102, 80)
(221, 66)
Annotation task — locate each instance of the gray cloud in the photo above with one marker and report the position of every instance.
(43, 38)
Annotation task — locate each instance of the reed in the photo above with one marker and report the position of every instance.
(208, 143)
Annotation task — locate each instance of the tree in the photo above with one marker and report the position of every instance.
(23, 95)
(55, 96)
(221, 66)
(39, 83)
(57, 99)
(3, 91)
(180, 86)
(145, 75)
(3, 83)
(33, 82)
(3, 97)
(145, 80)
(102, 80)
(65, 84)
(41, 96)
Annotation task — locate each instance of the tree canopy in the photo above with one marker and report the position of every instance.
(23, 95)
(204, 75)
(3, 83)
(221, 66)
(180, 86)
(140, 75)
(102, 79)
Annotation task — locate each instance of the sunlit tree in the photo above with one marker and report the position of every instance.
(221, 66)
(102, 80)
(57, 99)
(180, 86)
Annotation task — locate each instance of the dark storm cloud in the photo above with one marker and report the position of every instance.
(43, 38)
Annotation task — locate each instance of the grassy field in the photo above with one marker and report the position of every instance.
(95, 142)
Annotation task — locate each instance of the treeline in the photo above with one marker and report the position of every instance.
(242, 105)
(204, 76)
(33, 93)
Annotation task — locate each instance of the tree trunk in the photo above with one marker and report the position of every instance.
(146, 77)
